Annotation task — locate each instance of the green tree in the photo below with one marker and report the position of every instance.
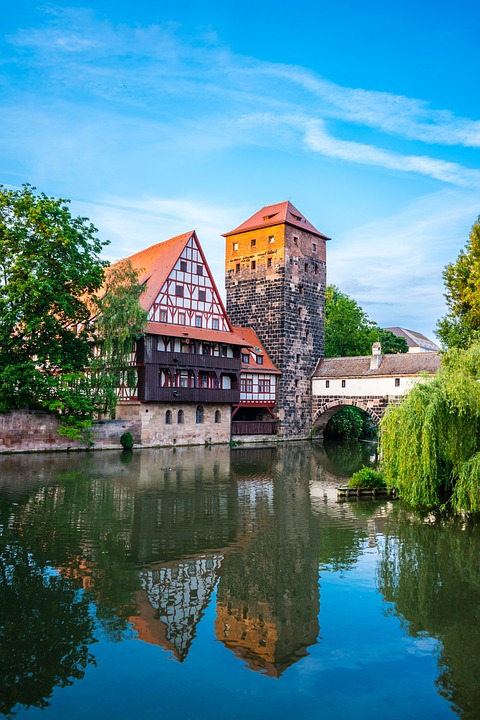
(49, 263)
(431, 441)
(461, 325)
(349, 331)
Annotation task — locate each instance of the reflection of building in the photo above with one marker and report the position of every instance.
(268, 598)
(173, 600)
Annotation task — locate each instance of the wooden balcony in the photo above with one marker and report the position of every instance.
(191, 361)
(254, 427)
(193, 395)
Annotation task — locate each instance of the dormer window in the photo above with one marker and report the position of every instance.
(259, 359)
(245, 358)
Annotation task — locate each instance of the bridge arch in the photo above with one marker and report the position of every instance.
(325, 413)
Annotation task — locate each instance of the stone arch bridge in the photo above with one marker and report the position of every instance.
(324, 408)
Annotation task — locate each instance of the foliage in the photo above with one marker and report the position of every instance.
(351, 423)
(349, 331)
(118, 321)
(367, 477)
(431, 441)
(126, 441)
(461, 325)
(49, 262)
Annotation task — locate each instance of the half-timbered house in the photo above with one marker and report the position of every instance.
(188, 361)
(254, 414)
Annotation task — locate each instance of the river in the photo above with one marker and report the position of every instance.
(230, 583)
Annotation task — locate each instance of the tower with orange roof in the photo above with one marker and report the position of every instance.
(275, 278)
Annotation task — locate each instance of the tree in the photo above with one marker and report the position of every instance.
(49, 263)
(461, 325)
(349, 331)
(431, 441)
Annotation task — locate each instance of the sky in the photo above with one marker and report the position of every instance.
(159, 117)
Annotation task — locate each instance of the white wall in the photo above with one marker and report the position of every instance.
(365, 386)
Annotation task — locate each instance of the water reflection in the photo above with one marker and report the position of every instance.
(101, 547)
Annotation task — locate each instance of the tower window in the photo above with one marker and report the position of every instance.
(299, 357)
(271, 239)
(253, 242)
(235, 246)
(315, 269)
(253, 265)
(237, 268)
(314, 247)
(306, 267)
(269, 262)
(295, 240)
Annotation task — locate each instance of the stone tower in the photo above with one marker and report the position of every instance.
(275, 283)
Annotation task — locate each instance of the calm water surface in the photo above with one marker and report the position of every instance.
(229, 583)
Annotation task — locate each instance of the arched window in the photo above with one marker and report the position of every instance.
(168, 417)
(218, 416)
(199, 415)
(180, 417)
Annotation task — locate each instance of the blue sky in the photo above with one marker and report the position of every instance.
(156, 118)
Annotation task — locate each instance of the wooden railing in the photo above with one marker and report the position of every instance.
(254, 427)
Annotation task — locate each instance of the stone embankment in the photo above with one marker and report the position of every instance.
(37, 431)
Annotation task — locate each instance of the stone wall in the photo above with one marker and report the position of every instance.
(277, 286)
(323, 408)
(37, 431)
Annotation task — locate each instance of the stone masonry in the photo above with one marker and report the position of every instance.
(275, 283)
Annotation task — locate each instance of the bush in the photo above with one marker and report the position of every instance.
(367, 478)
(126, 441)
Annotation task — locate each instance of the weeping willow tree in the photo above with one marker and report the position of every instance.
(431, 441)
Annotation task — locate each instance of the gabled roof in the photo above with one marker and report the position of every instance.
(156, 263)
(400, 364)
(253, 346)
(414, 339)
(194, 333)
(277, 214)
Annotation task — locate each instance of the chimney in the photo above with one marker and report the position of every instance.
(376, 359)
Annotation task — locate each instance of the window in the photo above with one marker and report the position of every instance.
(397, 382)
(315, 269)
(344, 382)
(246, 385)
(198, 321)
(183, 380)
(259, 359)
(179, 290)
(199, 415)
(253, 265)
(183, 265)
(245, 358)
(269, 262)
(181, 318)
(180, 417)
(202, 295)
(299, 357)
(223, 351)
(168, 417)
(163, 316)
(237, 268)
(271, 239)
(314, 247)
(306, 267)
(253, 242)
(218, 416)
(215, 324)
(199, 269)
(301, 289)
(299, 312)
(295, 240)
(327, 383)
(235, 246)
(264, 385)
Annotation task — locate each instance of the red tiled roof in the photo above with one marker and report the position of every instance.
(194, 333)
(250, 340)
(391, 366)
(155, 264)
(277, 214)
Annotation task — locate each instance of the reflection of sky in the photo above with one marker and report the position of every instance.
(364, 666)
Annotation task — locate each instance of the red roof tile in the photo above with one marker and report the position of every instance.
(277, 214)
(250, 340)
(194, 333)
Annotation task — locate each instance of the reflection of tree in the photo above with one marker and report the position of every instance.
(344, 458)
(45, 630)
(430, 571)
